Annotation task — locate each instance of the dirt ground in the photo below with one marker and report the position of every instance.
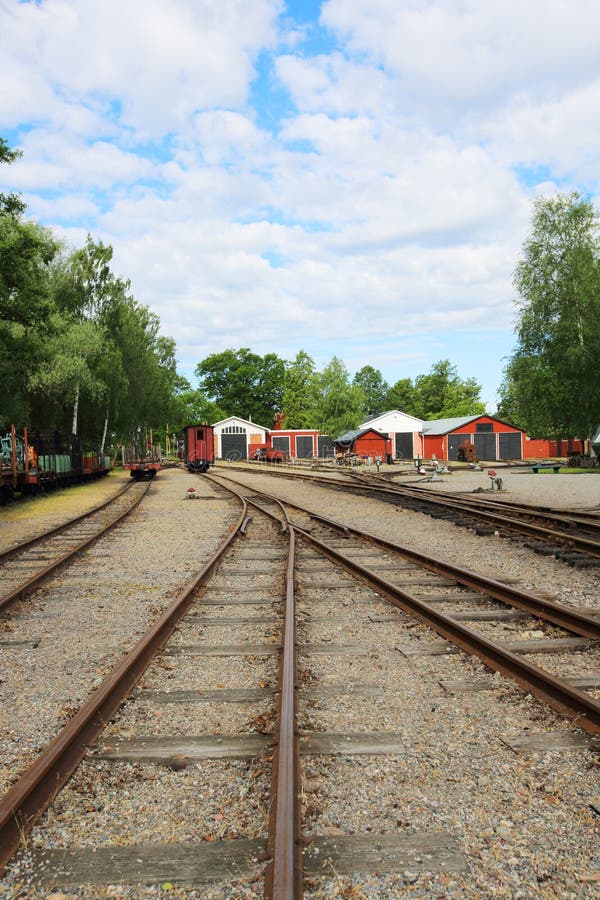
(579, 490)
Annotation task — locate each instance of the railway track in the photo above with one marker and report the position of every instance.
(264, 562)
(25, 566)
(282, 845)
(478, 596)
(572, 537)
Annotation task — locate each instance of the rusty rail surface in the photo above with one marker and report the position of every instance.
(563, 616)
(361, 483)
(556, 692)
(484, 511)
(25, 802)
(556, 613)
(35, 581)
(284, 875)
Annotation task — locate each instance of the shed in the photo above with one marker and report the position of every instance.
(405, 432)
(298, 443)
(365, 442)
(234, 437)
(493, 439)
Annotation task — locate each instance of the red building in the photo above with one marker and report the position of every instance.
(295, 443)
(365, 442)
(493, 439)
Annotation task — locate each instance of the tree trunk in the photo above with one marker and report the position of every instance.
(75, 410)
(105, 429)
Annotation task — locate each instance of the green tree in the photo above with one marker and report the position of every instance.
(26, 309)
(299, 392)
(551, 386)
(243, 383)
(401, 395)
(192, 406)
(339, 402)
(10, 204)
(442, 394)
(72, 354)
(375, 390)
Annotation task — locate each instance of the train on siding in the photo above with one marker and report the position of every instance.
(142, 460)
(198, 447)
(31, 462)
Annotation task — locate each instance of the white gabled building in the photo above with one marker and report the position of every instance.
(233, 437)
(406, 432)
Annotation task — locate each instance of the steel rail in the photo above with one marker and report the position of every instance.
(25, 802)
(284, 875)
(555, 691)
(578, 516)
(357, 482)
(578, 543)
(52, 532)
(563, 616)
(36, 580)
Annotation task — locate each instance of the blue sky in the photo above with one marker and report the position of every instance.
(345, 177)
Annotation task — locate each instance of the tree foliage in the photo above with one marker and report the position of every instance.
(245, 384)
(339, 402)
(551, 386)
(441, 394)
(71, 334)
(401, 395)
(374, 389)
(299, 399)
(10, 204)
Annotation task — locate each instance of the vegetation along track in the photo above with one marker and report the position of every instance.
(25, 566)
(572, 537)
(190, 802)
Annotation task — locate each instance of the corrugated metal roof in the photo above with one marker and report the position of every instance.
(349, 436)
(358, 432)
(443, 426)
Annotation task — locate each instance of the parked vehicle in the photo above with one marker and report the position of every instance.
(198, 447)
(41, 460)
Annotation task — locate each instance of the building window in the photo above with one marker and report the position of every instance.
(484, 426)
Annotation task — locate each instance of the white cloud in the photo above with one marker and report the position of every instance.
(224, 136)
(460, 51)
(561, 133)
(53, 160)
(156, 61)
(334, 85)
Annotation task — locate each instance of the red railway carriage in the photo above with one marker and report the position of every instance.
(198, 447)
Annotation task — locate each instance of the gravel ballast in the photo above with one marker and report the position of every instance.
(525, 823)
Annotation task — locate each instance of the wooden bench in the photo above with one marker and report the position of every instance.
(555, 468)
